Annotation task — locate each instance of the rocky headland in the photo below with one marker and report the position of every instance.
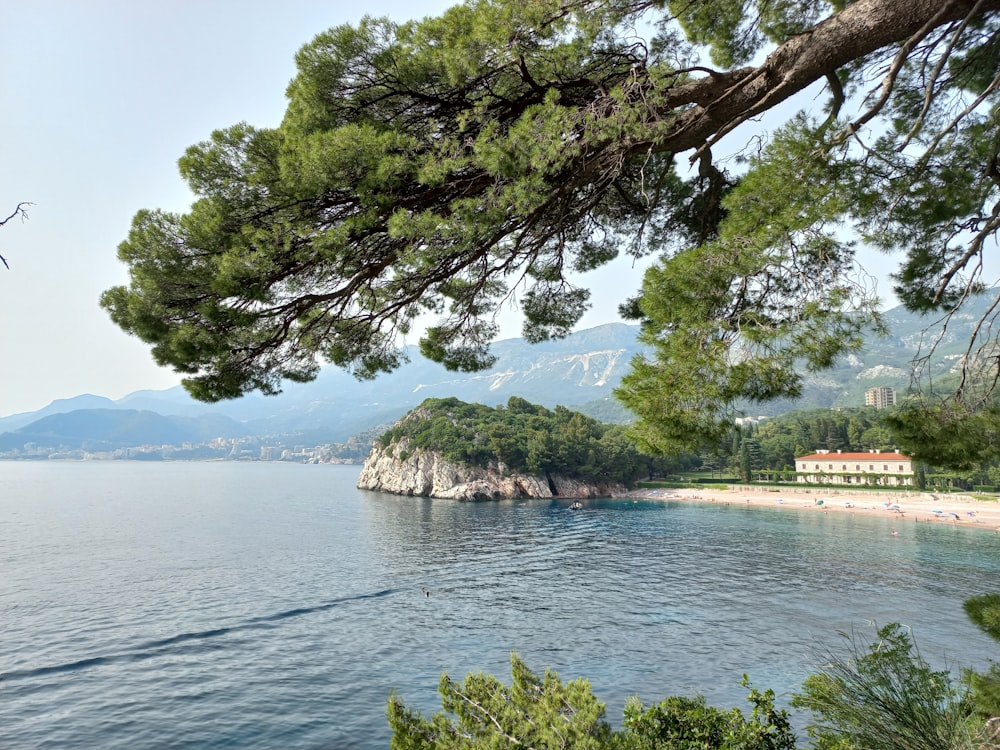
(400, 470)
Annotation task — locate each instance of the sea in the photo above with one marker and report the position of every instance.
(267, 605)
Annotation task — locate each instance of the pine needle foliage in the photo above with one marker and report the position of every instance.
(885, 696)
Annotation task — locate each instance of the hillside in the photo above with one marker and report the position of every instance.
(887, 360)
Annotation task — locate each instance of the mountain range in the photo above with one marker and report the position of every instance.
(580, 369)
(580, 372)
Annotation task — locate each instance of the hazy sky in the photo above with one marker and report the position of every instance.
(99, 99)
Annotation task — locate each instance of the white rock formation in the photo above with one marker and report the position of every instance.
(400, 471)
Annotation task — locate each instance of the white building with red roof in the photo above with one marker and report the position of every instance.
(838, 467)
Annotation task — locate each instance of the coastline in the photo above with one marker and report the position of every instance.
(905, 507)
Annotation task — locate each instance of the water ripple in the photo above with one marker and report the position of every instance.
(153, 649)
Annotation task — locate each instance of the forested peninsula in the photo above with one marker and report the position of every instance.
(451, 449)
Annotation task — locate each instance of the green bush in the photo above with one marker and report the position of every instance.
(543, 713)
(680, 723)
(484, 713)
(886, 697)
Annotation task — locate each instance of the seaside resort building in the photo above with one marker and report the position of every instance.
(835, 467)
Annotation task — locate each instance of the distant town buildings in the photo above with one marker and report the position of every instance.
(880, 397)
(837, 467)
(355, 450)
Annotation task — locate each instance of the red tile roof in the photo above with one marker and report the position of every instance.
(834, 456)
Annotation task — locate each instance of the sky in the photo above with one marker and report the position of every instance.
(99, 100)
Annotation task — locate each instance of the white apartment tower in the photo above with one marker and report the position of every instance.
(880, 397)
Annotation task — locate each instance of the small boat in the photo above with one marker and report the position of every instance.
(576, 506)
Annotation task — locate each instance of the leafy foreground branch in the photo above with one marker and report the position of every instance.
(883, 696)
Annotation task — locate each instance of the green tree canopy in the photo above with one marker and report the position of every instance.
(451, 164)
(523, 437)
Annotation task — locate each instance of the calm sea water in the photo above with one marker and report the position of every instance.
(209, 605)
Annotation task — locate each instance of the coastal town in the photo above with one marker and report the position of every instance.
(218, 449)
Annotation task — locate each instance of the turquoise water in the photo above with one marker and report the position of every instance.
(199, 605)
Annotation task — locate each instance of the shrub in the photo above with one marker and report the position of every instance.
(482, 712)
(680, 723)
(886, 697)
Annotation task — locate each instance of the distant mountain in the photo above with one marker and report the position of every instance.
(59, 406)
(580, 372)
(582, 368)
(109, 429)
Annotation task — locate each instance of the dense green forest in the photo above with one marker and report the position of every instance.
(524, 437)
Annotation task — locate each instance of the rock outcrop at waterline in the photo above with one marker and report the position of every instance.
(397, 470)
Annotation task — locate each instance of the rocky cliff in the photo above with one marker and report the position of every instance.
(398, 470)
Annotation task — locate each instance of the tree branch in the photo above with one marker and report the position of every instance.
(18, 211)
(860, 29)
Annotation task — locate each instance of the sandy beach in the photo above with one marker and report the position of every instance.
(906, 507)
